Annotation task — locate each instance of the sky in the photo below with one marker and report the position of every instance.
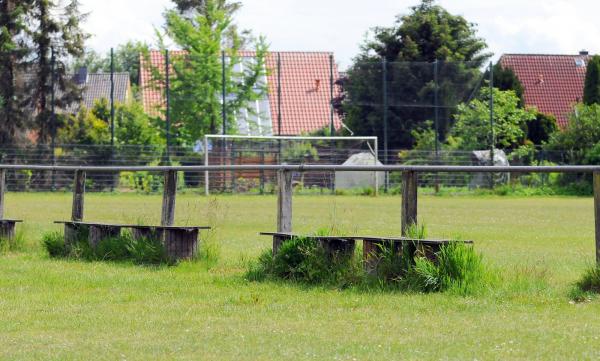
(340, 26)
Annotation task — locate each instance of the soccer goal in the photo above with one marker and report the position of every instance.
(240, 149)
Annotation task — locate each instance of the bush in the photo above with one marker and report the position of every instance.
(122, 248)
(587, 286)
(54, 243)
(304, 260)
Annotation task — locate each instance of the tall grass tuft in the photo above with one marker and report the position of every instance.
(14, 244)
(587, 286)
(145, 251)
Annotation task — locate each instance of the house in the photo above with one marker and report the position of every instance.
(304, 102)
(96, 86)
(552, 83)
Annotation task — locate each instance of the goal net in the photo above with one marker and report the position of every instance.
(270, 150)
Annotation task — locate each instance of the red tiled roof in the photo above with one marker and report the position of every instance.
(305, 94)
(552, 83)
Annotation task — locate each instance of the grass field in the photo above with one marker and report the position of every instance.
(51, 309)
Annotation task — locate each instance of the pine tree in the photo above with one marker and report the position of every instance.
(591, 90)
(55, 35)
(13, 52)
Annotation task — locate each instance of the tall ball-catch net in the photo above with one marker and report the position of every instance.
(240, 150)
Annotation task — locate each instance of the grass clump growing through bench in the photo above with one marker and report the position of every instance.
(143, 251)
(457, 267)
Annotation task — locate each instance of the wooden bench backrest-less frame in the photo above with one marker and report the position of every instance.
(7, 226)
(373, 246)
(181, 242)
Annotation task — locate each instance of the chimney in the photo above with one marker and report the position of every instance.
(584, 52)
(317, 84)
(82, 75)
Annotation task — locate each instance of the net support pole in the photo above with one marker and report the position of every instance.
(409, 201)
(376, 176)
(331, 116)
(437, 122)
(53, 117)
(2, 191)
(168, 106)
(597, 214)
(492, 135)
(385, 119)
(206, 176)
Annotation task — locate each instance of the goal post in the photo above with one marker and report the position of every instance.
(226, 149)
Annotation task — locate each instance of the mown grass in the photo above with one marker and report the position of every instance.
(65, 309)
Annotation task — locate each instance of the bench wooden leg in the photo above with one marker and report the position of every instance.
(74, 233)
(7, 230)
(338, 247)
(373, 251)
(181, 243)
(99, 232)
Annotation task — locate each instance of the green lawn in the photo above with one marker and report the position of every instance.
(53, 309)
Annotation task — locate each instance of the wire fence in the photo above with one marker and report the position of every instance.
(246, 181)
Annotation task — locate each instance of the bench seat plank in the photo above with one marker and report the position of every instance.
(100, 224)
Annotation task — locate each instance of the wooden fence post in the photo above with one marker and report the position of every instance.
(2, 190)
(284, 206)
(78, 195)
(409, 200)
(168, 205)
(597, 214)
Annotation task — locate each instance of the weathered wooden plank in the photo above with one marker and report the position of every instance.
(2, 190)
(181, 244)
(409, 200)
(78, 196)
(284, 206)
(597, 214)
(168, 205)
(7, 230)
(97, 233)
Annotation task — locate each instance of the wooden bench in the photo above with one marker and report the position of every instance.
(181, 242)
(372, 246)
(7, 228)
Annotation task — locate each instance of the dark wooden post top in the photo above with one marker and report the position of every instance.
(409, 200)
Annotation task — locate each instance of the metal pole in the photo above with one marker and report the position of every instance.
(385, 120)
(279, 107)
(224, 94)
(167, 112)
(53, 117)
(436, 120)
(492, 136)
(206, 185)
(112, 99)
(112, 112)
(331, 126)
(376, 163)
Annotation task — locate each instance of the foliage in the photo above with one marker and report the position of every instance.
(587, 286)
(591, 89)
(84, 128)
(581, 134)
(541, 128)
(410, 47)
(472, 128)
(13, 244)
(54, 243)
(506, 79)
(13, 55)
(197, 83)
(56, 36)
(126, 59)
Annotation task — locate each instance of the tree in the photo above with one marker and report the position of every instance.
(591, 89)
(541, 128)
(13, 55)
(126, 59)
(581, 134)
(197, 80)
(506, 79)
(55, 36)
(428, 33)
(472, 128)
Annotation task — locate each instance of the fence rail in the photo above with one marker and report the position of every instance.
(285, 189)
